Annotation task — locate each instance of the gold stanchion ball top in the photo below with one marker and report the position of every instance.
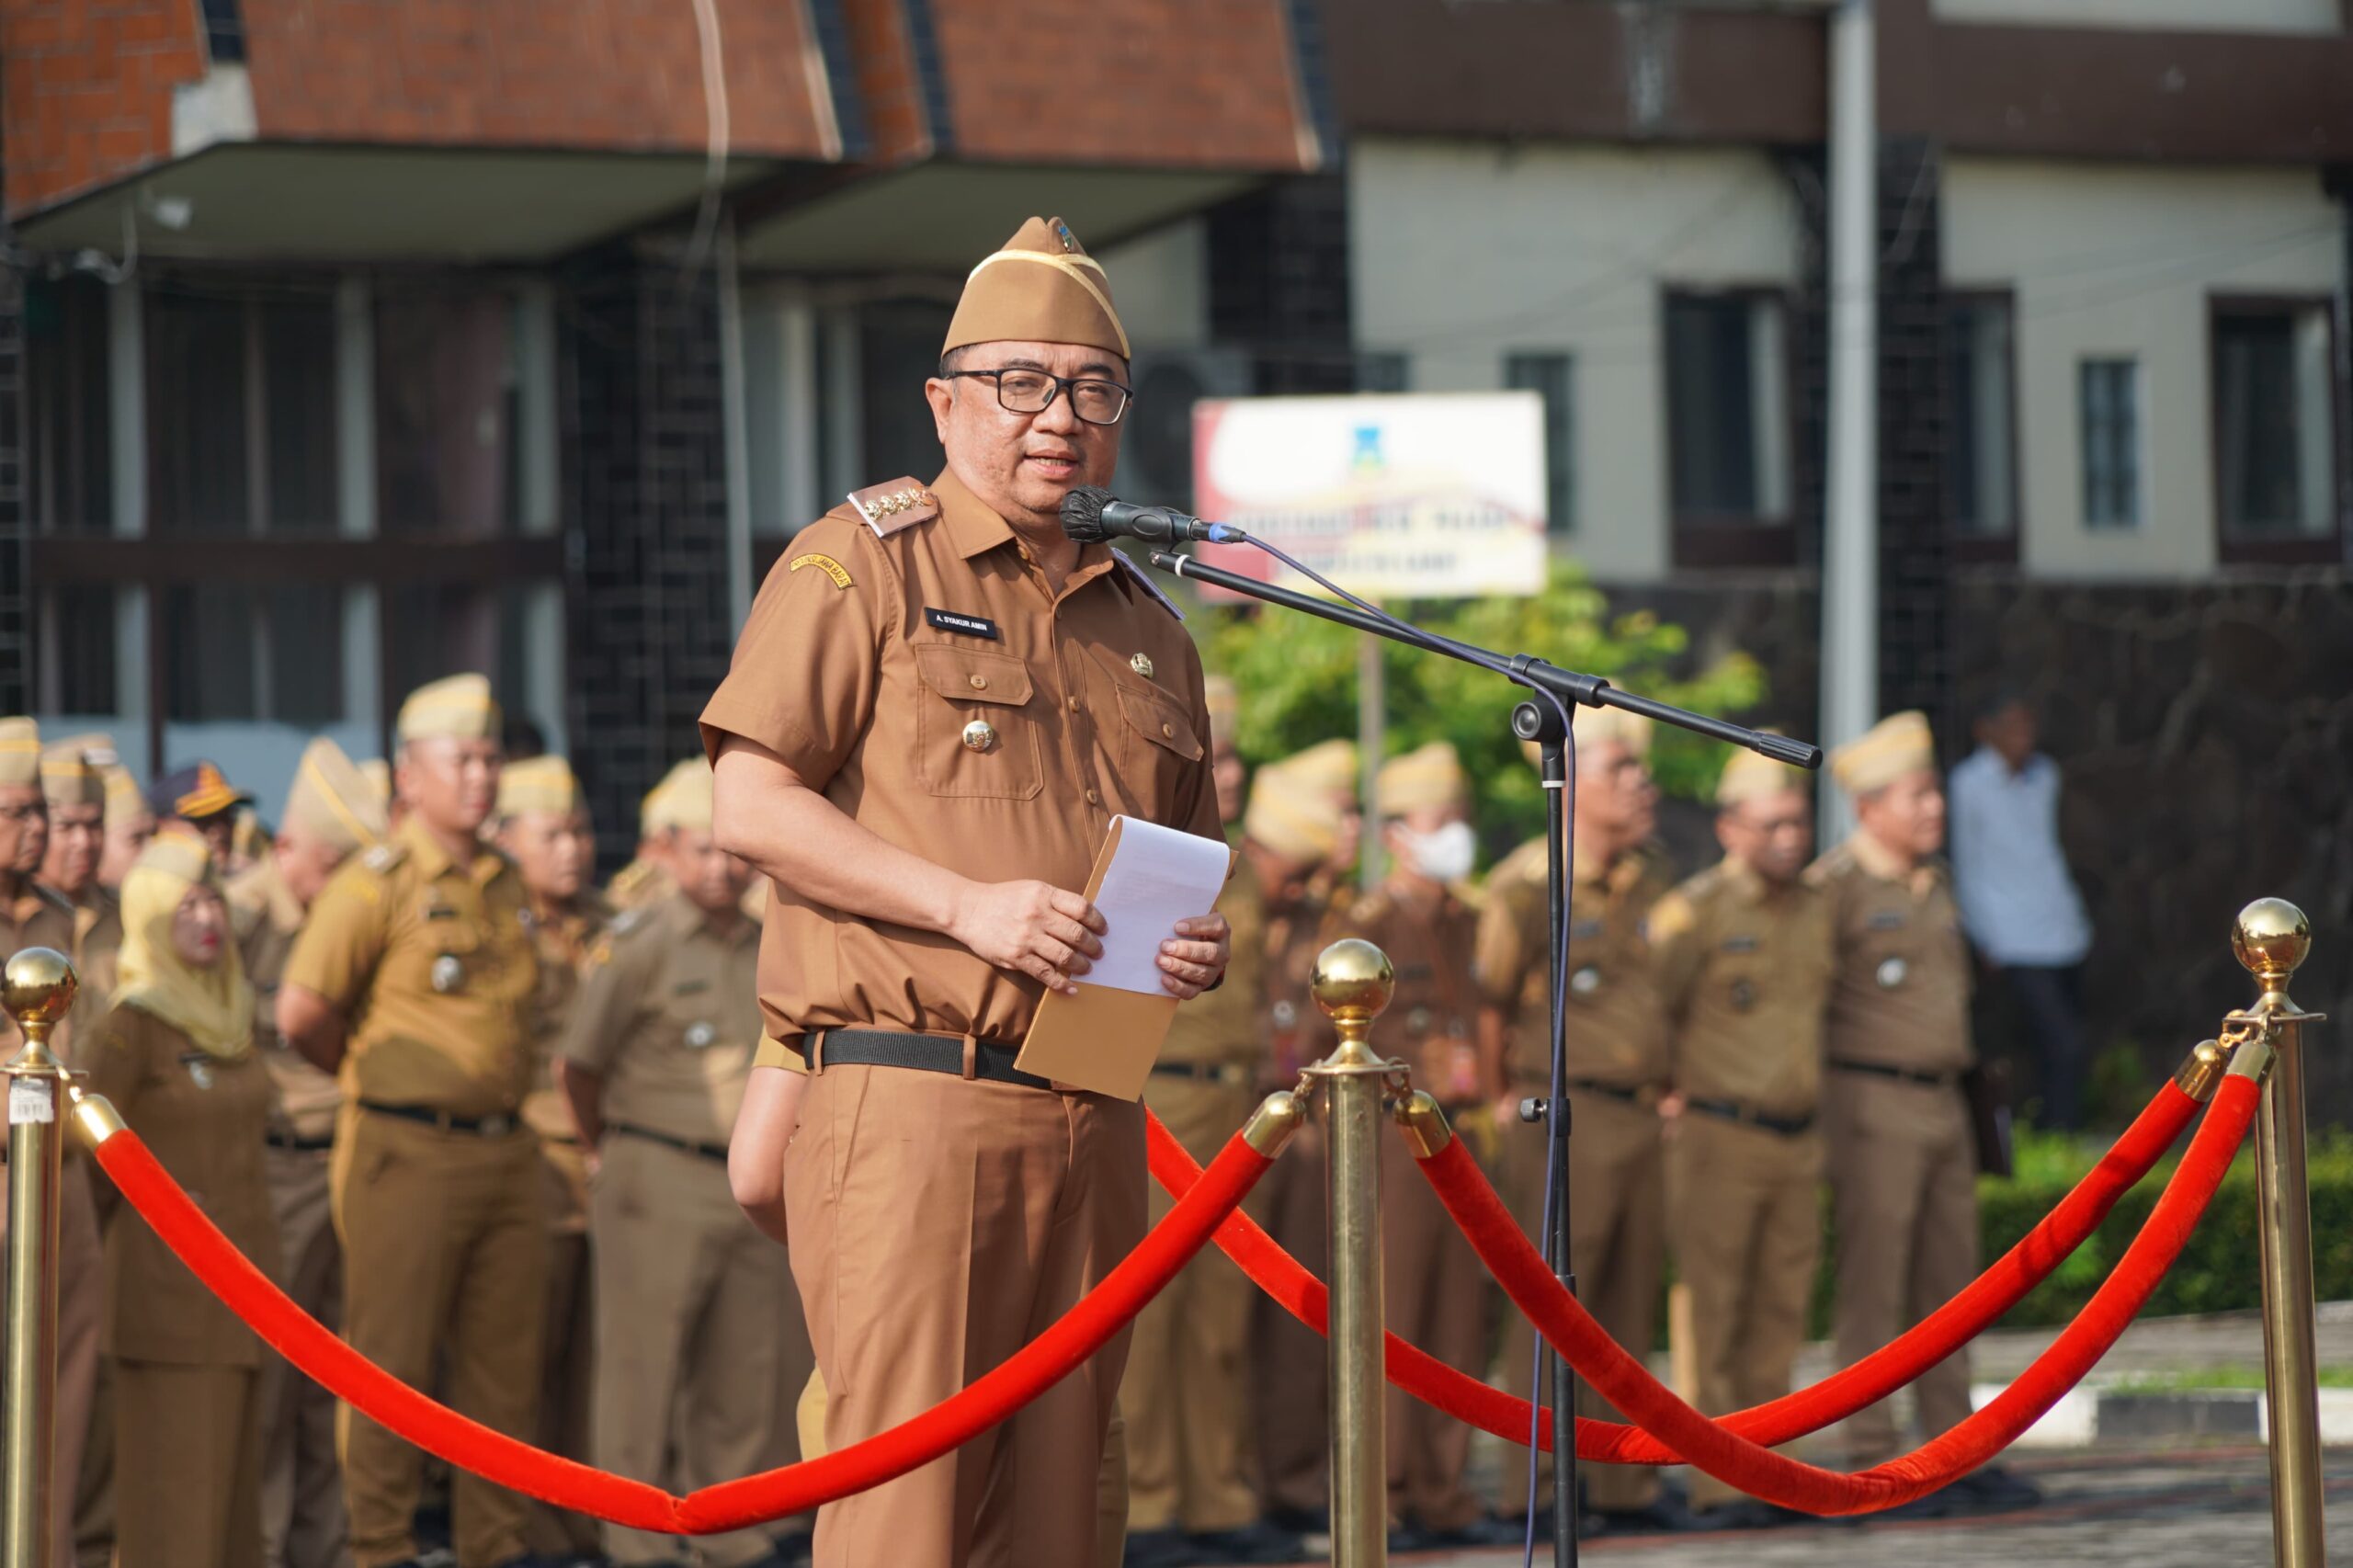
(2270, 938)
(1353, 981)
(37, 986)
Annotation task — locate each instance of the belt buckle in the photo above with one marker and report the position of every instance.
(496, 1125)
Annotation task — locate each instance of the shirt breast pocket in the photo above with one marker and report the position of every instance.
(439, 954)
(1160, 748)
(973, 738)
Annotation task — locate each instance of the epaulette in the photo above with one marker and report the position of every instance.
(384, 856)
(1144, 580)
(628, 920)
(901, 504)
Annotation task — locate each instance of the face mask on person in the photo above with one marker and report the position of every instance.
(1444, 855)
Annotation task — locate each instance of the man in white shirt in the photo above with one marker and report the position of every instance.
(2017, 901)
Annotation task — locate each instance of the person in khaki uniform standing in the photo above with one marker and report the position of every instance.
(938, 706)
(413, 977)
(174, 1055)
(696, 1316)
(1616, 1026)
(1191, 1489)
(543, 827)
(1903, 1150)
(129, 826)
(1742, 952)
(330, 814)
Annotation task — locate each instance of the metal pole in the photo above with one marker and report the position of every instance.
(1353, 984)
(2271, 938)
(36, 989)
(1851, 539)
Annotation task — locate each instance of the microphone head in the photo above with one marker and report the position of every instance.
(1083, 514)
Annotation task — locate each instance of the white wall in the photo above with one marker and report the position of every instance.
(1465, 253)
(2108, 260)
(2197, 16)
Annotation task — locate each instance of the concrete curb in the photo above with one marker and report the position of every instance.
(2087, 1416)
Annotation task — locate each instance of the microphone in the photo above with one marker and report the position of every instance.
(1092, 514)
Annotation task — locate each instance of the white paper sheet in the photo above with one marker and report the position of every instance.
(1157, 877)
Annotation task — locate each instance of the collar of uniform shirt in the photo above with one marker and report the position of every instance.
(432, 859)
(1618, 873)
(977, 529)
(1885, 863)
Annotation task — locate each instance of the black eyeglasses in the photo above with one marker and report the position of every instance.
(1095, 401)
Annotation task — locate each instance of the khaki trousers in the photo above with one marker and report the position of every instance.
(445, 1262)
(1903, 1187)
(301, 1489)
(1291, 1388)
(567, 1387)
(1745, 1209)
(1434, 1292)
(187, 1443)
(1187, 1393)
(81, 1307)
(696, 1313)
(938, 1225)
(1618, 1250)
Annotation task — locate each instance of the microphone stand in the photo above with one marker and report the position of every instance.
(1540, 723)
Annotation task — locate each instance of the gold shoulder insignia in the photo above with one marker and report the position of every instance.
(384, 858)
(628, 920)
(825, 563)
(901, 504)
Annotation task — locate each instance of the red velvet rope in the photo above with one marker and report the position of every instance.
(1958, 1321)
(734, 1504)
(1627, 1385)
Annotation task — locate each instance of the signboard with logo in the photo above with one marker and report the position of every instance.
(1417, 497)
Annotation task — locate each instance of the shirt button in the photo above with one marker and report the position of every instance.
(1074, 704)
(1168, 730)
(1093, 799)
(980, 683)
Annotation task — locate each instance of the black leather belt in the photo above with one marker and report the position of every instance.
(497, 1126)
(1232, 1074)
(1748, 1116)
(295, 1142)
(1645, 1095)
(1900, 1075)
(684, 1145)
(921, 1052)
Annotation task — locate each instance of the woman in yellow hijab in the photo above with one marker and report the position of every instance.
(175, 1055)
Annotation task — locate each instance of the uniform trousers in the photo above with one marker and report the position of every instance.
(81, 1309)
(1434, 1292)
(187, 1441)
(1745, 1206)
(1291, 1387)
(302, 1490)
(1617, 1250)
(1187, 1393)
(443, 1234)
(696, 1316)
(938, 1225)
(567, 1390)
(1903, 1186)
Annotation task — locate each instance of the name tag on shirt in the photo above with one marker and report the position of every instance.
(1887, 920)
(962, 625)
(1586, 930)
(1741, 944)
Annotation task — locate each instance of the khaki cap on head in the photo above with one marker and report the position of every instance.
(1294, 810)
(1749, 775)
(72, 770)
(1430, 777)
(1224, 703)
(379, 773)
(1042, 288)
(538, 784)
(178, 850)
(1329, 766)
(1895, 746)
(333, 800)
(459, 708)
(681, 801)
(19, 752)
(1598, 726)
(126, 802)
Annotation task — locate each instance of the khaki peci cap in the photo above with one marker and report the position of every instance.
(379, 773)
(126, 802)
(19, 752)
(333, 800)
(1328, 765)
(543, 783)
(1431, 775)
(1297, 805)
(1895, 746)
(73, 771)
(1042, 288)
(1596, 727)
(1749, 776)
(459, 708)
(1224, 705)
(683, 799)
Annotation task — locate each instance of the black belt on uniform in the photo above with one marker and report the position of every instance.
(1233, 1074)
(684, 1145)
(1748, 1116)
(497, 1126)
(920, 1052)
(1900, 1075)
(296, 1144)
(1644, 1097)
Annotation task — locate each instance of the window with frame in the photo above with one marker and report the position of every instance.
(448, 457)
(1553, 377)
(1727, 409)
(2274, 469)
(2108, 417)
(1981, 469)
(68, 411)
(239, 411)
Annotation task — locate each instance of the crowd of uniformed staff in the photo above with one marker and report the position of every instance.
(730, 1161)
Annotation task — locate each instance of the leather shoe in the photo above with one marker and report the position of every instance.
(1663, 1515)
(1996, 1490)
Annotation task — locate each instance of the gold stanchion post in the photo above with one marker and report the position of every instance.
(1353, 984)
(37, 988)
(2271, 938)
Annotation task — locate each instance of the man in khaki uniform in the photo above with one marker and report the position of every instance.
(129, 826)
(33, 916)
(330, 814)
(938, 706)
(413, 977)
(1616, 1026)
(696, 1318)
(1192, 1494)
(543, 827)
(1902, 1152)
(1744, 954)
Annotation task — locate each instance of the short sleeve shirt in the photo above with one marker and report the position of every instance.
(1744, 968)
(429, 959)
(1900, 997)
(927, 682)
(565, 939)
(267, 919)
(1615, 1028)
(669, 1018)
